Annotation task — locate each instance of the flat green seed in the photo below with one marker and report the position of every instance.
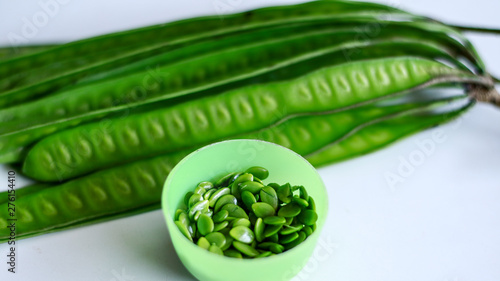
(303, 193)
(308, 217)
(274, 185)
(285, 193)
(268, 195)
(216, 250)
(245, 249)
(248, 199)
(218, 194)
(308, 230)
(258, 172)
(263, 210)
(229, 242)
(235, 190)
(296, 242)
(299, 201)
(259, 229)
(233, 178)
(289, 210)
(220, 216)
(273, 238)
(209, 212)
(267, 245)
(242, 234)
(192, 229)
(272, 229)
(258, 180)
(252, 186)
(277, 248)
(183, 229)
(203, 243)
(201, 206)
(216, 238)
(221, 226)
(223, 181)
(289, 221)
(224, 200)
(184, 219)
(274, 220)
(205, 225)
(177, 213)
(186, 198)
(233, 254)
(242, 222)
(313, 227)
(235, 211)
(284, 239)
(197, 215)
(264, 254)
(195, 198)
(290, 229)
(209, 193)
(243, 178)
(253, 218)
(312, 204)
(206, 185)
(200, 190)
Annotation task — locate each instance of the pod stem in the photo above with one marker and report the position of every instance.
(484, 94)
(476, 29)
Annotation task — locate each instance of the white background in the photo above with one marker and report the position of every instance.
(441, 224)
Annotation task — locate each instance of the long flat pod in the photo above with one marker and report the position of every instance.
(16, 134)
(89, 147)
(190, 30)
(136, 187)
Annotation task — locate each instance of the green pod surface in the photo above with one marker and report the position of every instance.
(127, 190)
(243, 110)
(185, 32)
(16, 51)
(59, 112)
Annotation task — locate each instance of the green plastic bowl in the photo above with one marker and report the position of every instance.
(216, 160)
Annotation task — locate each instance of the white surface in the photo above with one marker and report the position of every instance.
(441, 224)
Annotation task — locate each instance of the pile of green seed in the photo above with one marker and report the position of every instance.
(240, 216)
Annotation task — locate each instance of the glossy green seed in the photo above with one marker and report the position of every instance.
(252, 186)
(218, 194)
(312, 204)
(243, 178)
(268, 195)
(229, 241)
(258, 172)
(313, 227)
(205, 224)
(245, 249)
(203, 243)
(284, 239)
(184, 219)
(192, 229)
(195, 198)
(308, 230)
(289, 210)
(197, 215)
(233, 178)
(259, 229)
(221, 226)
(248, 199)
(264, 254)
(224, 200)
(274, 220)
(272, 229)
(277, 248)
(206, 185)
(216, 250)
(258, 180)
(242, 234)
(184, 230)
(296, 242)
(285, 193)
(216, 238)
(177, 213)
(223, 181)
(242, 222)
(235, 211)
(200, 190)
(235, 190)
(220, 216)
(209, 193)
(186, 198)
(301, 202)
(233, 254)
(308, 217)
(263, 210)
(290, 229)
(273, 238)
(201, 206)
(303, 193)
(289, 221)
(209, 212)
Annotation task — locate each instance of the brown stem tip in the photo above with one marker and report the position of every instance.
(483, 94)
